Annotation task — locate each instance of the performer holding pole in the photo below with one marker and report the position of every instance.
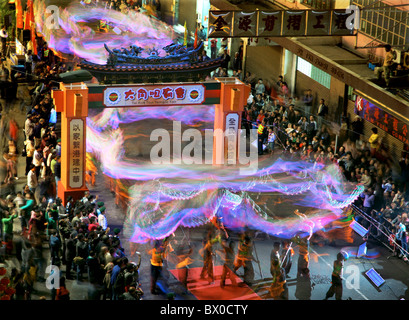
(244, 258)
(336, 287)
(228, 265)
(207, 253)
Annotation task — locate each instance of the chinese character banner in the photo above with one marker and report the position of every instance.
(294, 23)
(318, 23)
(245, 24)
(269, 24)
(154, 95)
(340, 23)
(280, 23)
(220, 24)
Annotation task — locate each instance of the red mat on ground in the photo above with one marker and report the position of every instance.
(202, 290)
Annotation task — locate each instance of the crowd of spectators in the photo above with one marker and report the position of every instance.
(298, 127)
(77, 232)
(78, 237)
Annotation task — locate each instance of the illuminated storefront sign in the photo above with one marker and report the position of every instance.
(76, 175)
(154, 95)
(381, 119)
(279, 23)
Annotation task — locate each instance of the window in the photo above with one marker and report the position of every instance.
(377, 21)
(313, 72)
(304, 66)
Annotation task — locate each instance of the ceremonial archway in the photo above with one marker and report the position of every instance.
(229, 95)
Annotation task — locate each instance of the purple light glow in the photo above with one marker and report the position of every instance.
(76, 37)
(186, 195)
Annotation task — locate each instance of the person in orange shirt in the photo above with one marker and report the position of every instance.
(157, 257)
(261, 116)
(91, 170)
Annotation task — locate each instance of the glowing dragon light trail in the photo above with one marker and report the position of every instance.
(75, 36)
(190, 196)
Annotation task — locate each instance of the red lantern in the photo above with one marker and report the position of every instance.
(5, 297)
(3, 271)
(5, 281)
(2, 288)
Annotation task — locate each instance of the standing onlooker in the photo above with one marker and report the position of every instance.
(37, 160)
(226, 60)
(32, 181)
(307, 100)
(357, 128)
(28, 64)
(70, 253)
(311, 127)
(374, 142)
(369, 202)
(3, 37)
(387, 64)
(118, 268)
(404, 166)
(271, 139)
(7, 223)
(236, 62)
(29, 127)
(10, 168)
(213, 48)
(321, 113)
(29, 146)
(260, 87)
(81, 255)
(102, 219)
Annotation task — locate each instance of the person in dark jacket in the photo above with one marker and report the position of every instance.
(70, 253)
(81, 252)
(226, 60)
(55, 246)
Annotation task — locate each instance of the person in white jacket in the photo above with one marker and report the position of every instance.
(32, 181)
(102, 219)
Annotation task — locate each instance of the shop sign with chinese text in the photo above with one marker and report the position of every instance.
(279, 23)
(381, 119)
(154, 95)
